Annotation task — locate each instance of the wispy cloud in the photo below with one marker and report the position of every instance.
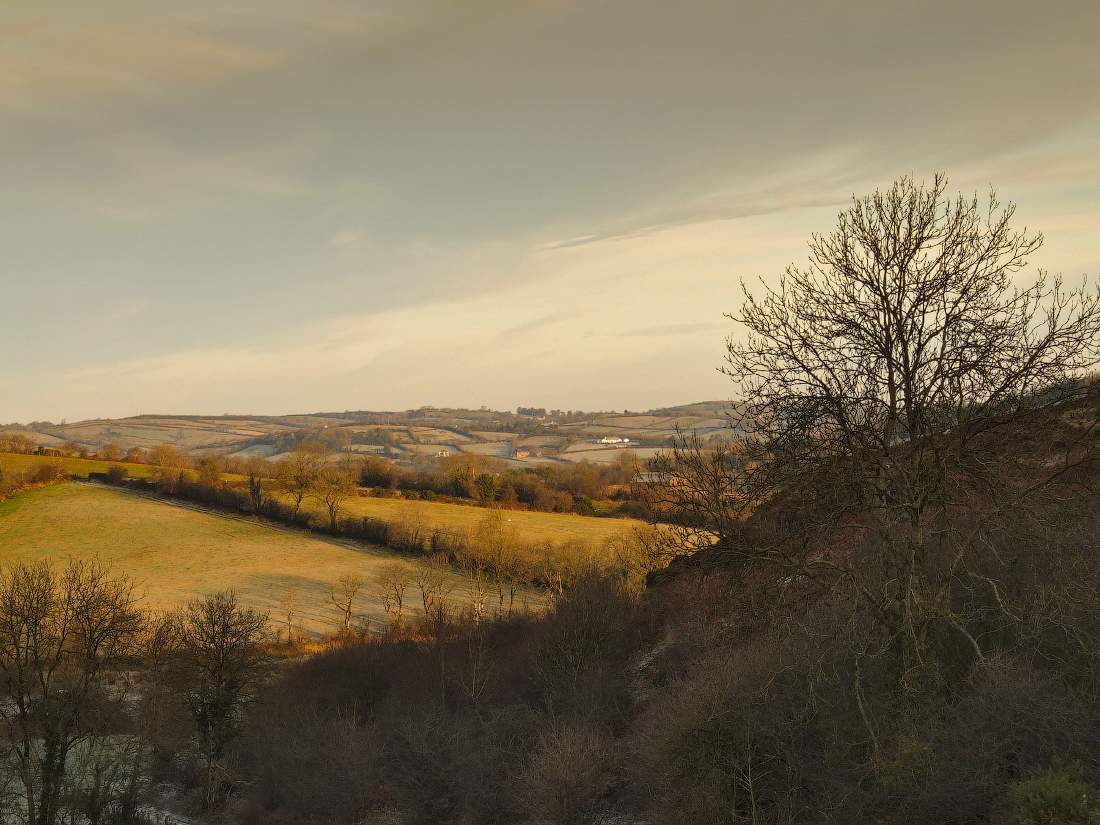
(387, 202)
(663, 330)
(76, 56)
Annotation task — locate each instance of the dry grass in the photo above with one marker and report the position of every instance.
(532, 527)
(72, 466)
(175, 553)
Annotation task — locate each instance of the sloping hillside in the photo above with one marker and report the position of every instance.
(176, 553)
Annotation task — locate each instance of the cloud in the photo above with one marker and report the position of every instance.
(399, 201)
(75, 56)
(347, 237)
(662, 330)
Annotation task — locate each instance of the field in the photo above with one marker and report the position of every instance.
(415, 433)
(175, 553)
(553, 528)
(72, 466)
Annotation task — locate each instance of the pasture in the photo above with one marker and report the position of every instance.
(554, 528)
(72, 466)
(532, 527)
(175, 553)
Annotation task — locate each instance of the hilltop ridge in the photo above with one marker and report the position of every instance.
(528, 434)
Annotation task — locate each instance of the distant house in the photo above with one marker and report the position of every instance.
(442, 453)
(614, 439)
(521, 452)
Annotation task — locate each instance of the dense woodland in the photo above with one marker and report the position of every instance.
(880, 605)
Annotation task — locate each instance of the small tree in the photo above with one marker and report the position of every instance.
(290, 610)
(258, 470)
(222, 664)
(170, 465)
(393, 581)
(486, 486)
(210, 471)
(497, 542)
(343, 596)
(432, 579)
(334, 485)
(297, 473)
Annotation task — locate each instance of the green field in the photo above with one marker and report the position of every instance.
(72, 466)
(175, 553)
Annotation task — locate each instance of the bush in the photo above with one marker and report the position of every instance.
(1055, 797)
(569, 774)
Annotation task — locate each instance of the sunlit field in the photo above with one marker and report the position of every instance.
(175, 553)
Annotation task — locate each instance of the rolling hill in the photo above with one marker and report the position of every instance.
(408, 436)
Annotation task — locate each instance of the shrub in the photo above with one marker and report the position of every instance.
(569, 774)
(1055, 797)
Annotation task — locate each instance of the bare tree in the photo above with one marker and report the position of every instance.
(343, 596)
(394, 581)
(258, 471)
(432, 580)
(297, 472)
(883, 385)
(170, 464)
(290, 610)
(472, 563)
(60, 635)
(497, 542)
(334, 485)
(223, 663)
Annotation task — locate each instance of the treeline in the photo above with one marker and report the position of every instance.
(583, 488)
(495, 556)
(112, 451)
(17, 481)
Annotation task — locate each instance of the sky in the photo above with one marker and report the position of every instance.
(274, 206)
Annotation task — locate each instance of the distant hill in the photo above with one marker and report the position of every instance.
(528, 435)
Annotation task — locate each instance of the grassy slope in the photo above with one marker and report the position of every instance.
(73, 466)
(555, 528)
(175, 553)
(533, 526)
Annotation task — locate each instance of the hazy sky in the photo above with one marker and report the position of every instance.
(276, 206)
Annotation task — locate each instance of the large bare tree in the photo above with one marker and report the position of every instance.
(894, 393)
